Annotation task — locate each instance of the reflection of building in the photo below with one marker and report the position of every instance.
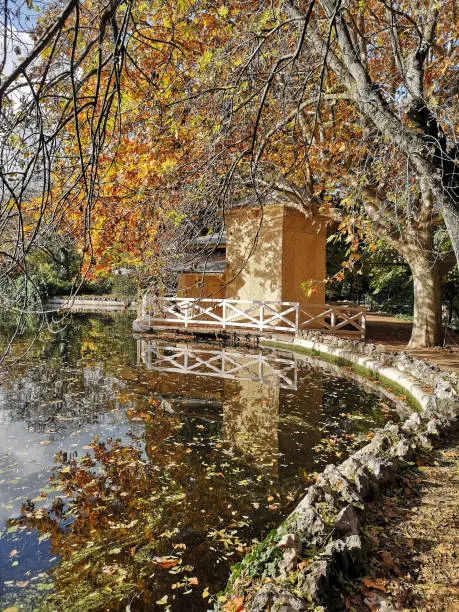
(261, 257)
(251, 422)
(249, 392)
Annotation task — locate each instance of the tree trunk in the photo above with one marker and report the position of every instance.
(451, 218)
(427, 327)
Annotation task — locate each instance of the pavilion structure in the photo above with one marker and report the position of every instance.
(264, 275)
(275, 254)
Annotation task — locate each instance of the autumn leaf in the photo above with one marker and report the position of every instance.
(387, 559)
(236, 604)
(375, 583)
(165, 562)
(193, 581)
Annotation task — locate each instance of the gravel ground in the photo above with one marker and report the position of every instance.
(412, 535)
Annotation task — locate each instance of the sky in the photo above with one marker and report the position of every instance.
(22, 19)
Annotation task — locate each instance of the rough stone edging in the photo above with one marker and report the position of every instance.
(426, 401)
(327, 518)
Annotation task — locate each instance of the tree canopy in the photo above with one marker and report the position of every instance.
(131, 126)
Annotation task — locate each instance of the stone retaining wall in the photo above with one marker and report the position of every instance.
(92, 304)
(321, 537)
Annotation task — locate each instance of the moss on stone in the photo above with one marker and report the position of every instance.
(385, 382)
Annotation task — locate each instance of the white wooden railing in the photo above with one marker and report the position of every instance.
(253, 315)
(267, 369)
(339, 320)
(261, 316)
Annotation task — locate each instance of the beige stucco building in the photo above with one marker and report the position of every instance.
(276, 254)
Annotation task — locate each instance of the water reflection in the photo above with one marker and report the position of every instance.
(256, 366)
(199, 450)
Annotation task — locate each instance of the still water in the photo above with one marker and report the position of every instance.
(134, 473)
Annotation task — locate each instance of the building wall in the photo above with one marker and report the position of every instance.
(261, 276)
(303, 258)
(290, 250)
(196, 285)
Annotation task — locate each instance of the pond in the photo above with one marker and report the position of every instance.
(135, 472)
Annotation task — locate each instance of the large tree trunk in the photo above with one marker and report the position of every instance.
(427, 328)
(451, 218)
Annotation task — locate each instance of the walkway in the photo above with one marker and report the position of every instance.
(413, 539)
(395, 334)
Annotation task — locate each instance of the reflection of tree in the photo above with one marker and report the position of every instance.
(141, 516)
(67, 379)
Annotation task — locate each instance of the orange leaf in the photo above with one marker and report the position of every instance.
(375, 583)
(165, 562)
(234, 605)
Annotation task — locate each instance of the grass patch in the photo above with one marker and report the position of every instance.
(389, 385)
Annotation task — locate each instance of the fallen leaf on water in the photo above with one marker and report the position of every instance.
(205, 593)
(162, 601)
(193, 581)
(21, 583)
(13, 553)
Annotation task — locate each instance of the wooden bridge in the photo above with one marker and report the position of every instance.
(250, 316)
(267, 369)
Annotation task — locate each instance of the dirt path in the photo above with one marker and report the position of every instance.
(395, 334)
(412, 535)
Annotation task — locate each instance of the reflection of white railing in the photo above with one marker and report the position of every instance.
(253, 315)
(256, 315)
(258, 367)
(339, 320)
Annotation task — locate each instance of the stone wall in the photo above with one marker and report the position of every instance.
(293, 567)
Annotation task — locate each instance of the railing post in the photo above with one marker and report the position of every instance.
(333, 318)
(224, 314)
(297, 318)
(363, 325)
(186, 315)
(185, 359)
(262, 313)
